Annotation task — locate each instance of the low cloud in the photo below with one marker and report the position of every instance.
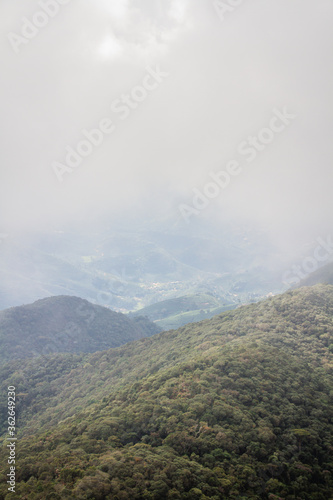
(224, 81)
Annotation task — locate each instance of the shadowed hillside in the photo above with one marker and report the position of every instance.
(65, 324)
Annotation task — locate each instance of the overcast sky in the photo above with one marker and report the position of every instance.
(216, 78)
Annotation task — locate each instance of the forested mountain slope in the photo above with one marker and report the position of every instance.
(65, 324)
(239, 406)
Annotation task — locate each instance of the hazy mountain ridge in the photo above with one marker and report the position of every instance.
(173, 313)
(130, 269)
(323, 275)
(65, 324)
(239, 405)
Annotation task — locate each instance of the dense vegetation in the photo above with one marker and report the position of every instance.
(65, 324)
(239, 406)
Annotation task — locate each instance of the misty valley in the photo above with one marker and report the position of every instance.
(166, 250)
